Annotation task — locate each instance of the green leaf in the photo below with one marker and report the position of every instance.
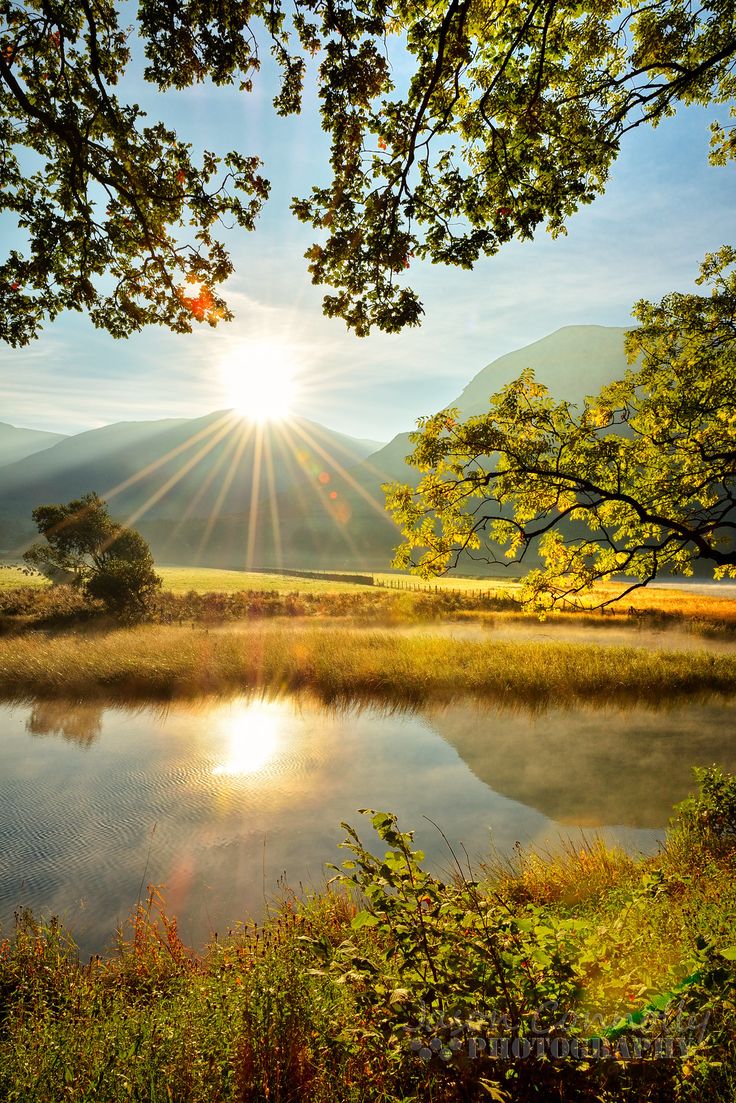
(400, 995)
(364, 919)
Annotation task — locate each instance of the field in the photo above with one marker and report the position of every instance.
(180, 580)
(12, 578)
(669, 603)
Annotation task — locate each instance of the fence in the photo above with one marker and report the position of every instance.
(325, 576)
(386, 583)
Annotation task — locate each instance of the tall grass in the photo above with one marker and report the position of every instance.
(157, 661)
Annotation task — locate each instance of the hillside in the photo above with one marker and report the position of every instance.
(16, 444)
(178, 469)
(573, 362)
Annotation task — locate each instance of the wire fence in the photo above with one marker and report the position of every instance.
(383, 582)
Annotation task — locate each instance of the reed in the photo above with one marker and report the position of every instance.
(169, 661)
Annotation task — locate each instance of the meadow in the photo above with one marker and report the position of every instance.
(158, 661)
(211, 596)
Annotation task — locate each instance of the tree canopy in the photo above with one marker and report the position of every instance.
(85, 547)
(511, 118)
(640, 481)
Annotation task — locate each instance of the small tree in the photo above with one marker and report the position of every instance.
(85, 547)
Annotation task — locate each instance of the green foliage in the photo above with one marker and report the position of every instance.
(512, 118)
(439, 968)
(451, 948)
(118, 218)
(398, 1001)
(638, 482)
(84, 546)
(710, 815)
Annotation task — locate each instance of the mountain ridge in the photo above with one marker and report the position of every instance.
(17, 442)
(322, 504)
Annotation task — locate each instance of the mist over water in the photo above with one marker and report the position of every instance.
(217, 800)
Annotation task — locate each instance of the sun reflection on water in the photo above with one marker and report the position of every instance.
(252, 732)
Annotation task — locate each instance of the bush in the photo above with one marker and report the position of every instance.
(710, 815)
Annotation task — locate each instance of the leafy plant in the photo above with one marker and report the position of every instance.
(710, 815)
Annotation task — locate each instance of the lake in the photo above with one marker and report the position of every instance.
(218, 800)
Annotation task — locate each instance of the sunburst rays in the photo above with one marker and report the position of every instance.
(252, 471)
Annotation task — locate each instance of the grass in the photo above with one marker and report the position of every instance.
(678, 604)
(12, 578)
(391, 988)
(182, 580)
(167, 661)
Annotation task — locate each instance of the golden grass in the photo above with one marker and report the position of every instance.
(166, 661)
(575, 873)
(676, 603)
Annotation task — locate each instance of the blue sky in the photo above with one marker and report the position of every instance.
(664, 208)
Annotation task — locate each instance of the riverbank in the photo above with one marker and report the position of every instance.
(153, 661)
(591, 976)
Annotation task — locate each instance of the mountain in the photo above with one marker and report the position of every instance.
(572, 362)
(16, 444)
(179, 469)
(203, 491)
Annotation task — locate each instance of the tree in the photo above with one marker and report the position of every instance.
(640, 481)
(512, 118)
(85, 547)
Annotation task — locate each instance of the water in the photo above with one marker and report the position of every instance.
(217, 800)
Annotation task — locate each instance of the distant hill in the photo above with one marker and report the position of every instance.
(573, 362)
(178, 469)
(16, 444)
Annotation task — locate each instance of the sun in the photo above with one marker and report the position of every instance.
(259, 380)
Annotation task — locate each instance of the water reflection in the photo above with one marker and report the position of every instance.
(253, 737)
(75, 721)
(214, 800)
(594, 766)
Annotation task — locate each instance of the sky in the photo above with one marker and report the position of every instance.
(664, 208)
